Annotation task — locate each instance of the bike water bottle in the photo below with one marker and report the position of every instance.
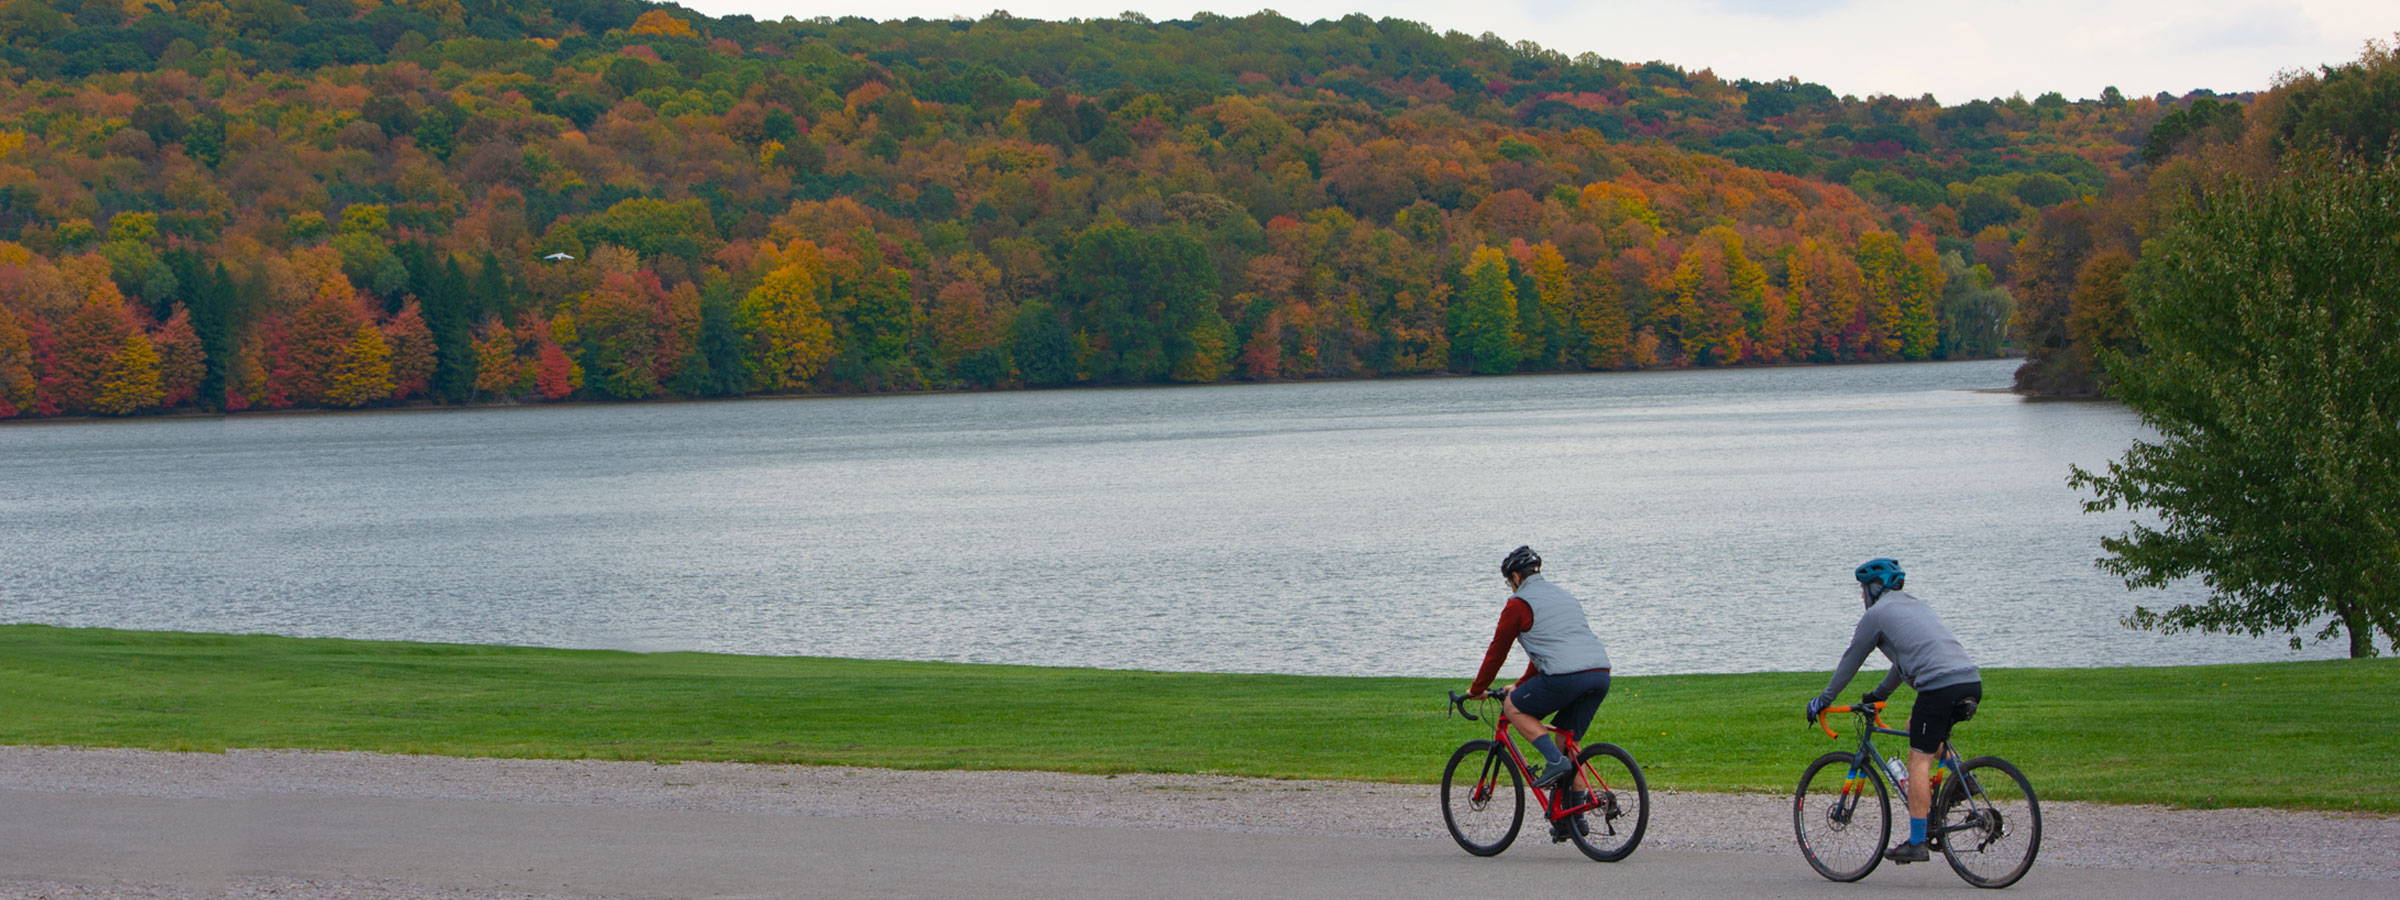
(1899, 775)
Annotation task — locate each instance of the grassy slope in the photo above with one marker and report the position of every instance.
(2320, 735)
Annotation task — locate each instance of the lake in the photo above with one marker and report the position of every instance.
(1710, 520)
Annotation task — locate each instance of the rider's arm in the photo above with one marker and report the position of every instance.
(1891, 682)
(1514, 619)
(1862, 641)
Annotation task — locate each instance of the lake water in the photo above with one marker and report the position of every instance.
(1710, 520)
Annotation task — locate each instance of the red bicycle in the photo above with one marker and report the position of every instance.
(1603, 809)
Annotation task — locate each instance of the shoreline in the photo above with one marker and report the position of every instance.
(428, 406)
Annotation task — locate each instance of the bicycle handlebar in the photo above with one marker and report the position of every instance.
(1458, 704)
(1822, 717)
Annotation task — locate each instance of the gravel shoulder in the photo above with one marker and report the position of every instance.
(2251, 842)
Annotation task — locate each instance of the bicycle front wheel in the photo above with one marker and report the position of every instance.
(1610, 832)
(1988, 822)
(1483, 798)
(1843, 816)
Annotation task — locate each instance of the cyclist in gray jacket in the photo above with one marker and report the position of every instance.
(1923, 652)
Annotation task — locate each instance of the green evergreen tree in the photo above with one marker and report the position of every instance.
(1484, 336)
(715, 367)
(1039, 342)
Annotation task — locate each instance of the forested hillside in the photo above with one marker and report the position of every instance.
(257, 204)
(2077, 262)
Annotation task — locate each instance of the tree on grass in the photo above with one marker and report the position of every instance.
(2272, 375)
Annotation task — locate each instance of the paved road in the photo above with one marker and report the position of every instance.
(66, 842)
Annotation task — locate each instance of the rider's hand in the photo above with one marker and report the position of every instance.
(1816, 705)
(1477, 695)
(1869, 700)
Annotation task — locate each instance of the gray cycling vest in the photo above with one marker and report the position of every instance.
(1561, 639)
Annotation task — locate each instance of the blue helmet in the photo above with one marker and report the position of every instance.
(1884, 571)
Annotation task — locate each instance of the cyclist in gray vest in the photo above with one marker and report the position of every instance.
(1924, 652)
(1566, 673)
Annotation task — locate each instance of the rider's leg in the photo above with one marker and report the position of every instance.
(1920, 786)
(1526, 725)
(1576, 716)
(1929, 724)
(1533, 730)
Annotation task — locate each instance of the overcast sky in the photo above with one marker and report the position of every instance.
(1956, 51)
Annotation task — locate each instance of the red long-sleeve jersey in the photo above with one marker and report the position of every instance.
(1514, 619)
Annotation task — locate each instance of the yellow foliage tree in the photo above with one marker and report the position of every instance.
(1881, 261)
(658, 22)
(499, 370)
(364, 374)
(134, 380)
(16, 367)
(1554, 288)
(784, 317)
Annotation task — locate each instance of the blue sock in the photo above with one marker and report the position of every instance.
(1916, 830)
(1549, 748)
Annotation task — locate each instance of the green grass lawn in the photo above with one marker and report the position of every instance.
(2318, 735)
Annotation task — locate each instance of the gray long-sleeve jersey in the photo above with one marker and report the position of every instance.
(1920, 647)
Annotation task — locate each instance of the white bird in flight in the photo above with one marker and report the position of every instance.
(559, 256)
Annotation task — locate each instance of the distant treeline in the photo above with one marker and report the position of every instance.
(266, 204)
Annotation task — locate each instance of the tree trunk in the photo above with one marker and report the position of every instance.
(2362, 632)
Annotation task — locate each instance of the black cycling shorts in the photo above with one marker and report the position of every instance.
(1574, 696)
(1936, 710)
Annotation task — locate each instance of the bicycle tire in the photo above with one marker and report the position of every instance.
(1615, 829)
(1472, 809)
(1989, 821)
(1831, 823)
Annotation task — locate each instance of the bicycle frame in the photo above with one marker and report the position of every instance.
(1853, 787)
(1505, 736)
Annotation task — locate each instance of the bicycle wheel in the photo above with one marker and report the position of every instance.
(1989, 823)
(1611, 831)
(1843, 816)
(1483, 798)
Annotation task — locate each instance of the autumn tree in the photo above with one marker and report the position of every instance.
(1884, 268)
(132, 382)
(1563, 344)
(415, 359)
(790, 341)
(501, 371)
(87, 345)
(182, 359)
(1920, 286)
(2099, 317)
(305, 350)
(363, 374)
(17, 385)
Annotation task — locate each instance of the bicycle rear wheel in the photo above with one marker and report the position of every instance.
(1610, 832)
(1988, 822)
(1843, 816)
(1483, 798)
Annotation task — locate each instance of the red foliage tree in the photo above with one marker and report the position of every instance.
(412, 351)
